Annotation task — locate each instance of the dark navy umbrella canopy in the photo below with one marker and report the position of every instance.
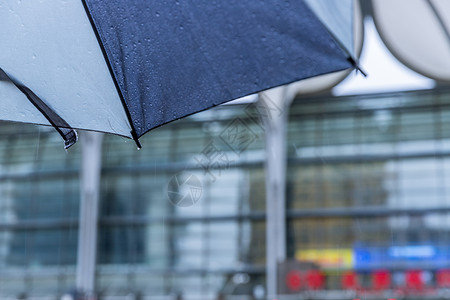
(174, 58)
(169, 59)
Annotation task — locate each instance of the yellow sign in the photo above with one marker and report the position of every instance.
(327, 258)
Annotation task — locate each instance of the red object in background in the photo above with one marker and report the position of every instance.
(443, 278)
(315, 279)
(350, 280)
(381, 280)
(294, 280)
(414, 280)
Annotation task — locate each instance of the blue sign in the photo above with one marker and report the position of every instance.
(408, 257)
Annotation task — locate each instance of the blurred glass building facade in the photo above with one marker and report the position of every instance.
(367, 192)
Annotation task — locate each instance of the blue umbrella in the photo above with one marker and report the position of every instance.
(128, 66)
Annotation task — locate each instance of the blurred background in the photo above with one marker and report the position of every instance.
(366, 193)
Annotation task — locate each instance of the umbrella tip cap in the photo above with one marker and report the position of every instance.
(136, 139)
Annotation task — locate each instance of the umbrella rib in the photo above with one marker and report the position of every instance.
(350, 58)
(64, 129)
(111, 72)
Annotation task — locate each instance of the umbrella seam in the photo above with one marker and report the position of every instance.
(111, 71)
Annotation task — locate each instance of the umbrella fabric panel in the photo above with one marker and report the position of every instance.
(50, 47)
(175, 58)
(337, 16)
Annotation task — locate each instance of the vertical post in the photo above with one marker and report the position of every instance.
(273, 108)
(91, 156)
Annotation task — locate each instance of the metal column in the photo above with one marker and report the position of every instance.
(274, 115)
(91, 156)
(274, 109)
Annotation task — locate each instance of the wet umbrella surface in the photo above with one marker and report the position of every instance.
(125, 67)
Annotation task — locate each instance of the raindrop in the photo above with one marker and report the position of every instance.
(157, 14)
(181, 27)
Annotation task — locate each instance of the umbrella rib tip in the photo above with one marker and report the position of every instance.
(136, 139)
(356, 65)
